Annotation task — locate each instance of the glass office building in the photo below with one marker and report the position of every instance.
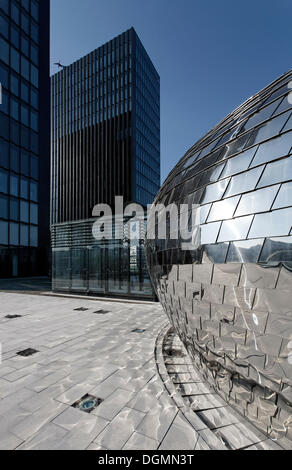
(107, 267)
(105, 127)
(24, 137)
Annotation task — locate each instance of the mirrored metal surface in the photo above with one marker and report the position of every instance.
(229, 297)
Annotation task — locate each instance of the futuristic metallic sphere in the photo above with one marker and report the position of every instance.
(230, 298)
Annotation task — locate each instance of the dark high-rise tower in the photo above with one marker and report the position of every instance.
(105, 127)
(24, 137)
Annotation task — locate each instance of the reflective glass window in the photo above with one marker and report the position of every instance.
(262, 115)
(3, 207)
(33, 236)
(24, 92)
(24, 46)
(4, 50)
(4, 153)
(223, 210)
(24, 167)
(3, 181)
(285, 104)
(3, 233)
(14, 59)
(209, 233)
(244, 182)
(24, 68)
(215, 191)
(288, 126)
(245, 251)
(14, 36)
(24, 187)
(34, 214)
(34, 167)
(14, 234)
(14, 84)
(270, 128)
(217, 253)
(281, 91)
(235, 229)
(236, 145)
(15, 12)
(273, 149)
(272, 224)
(24, 235)
(14, 185)
(4, 26)
(4, 74)
(14, 209)
(14, 108)
(4, 4)
(34, 192)
(277, 172)
(284, 197)
(277, 250)
(257, 201)
(204, 211)
(239, 163)
(24, 211)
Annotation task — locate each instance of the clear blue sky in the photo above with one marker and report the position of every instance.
(211, 54)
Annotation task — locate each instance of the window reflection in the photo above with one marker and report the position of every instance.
(273, 149)
(244, 182)
(288, 126)
(262, 115)
(277, 250)
(274, 223)
(217, 253)
(223, 210)
(236, 229)
(277, 172)
(245, 251)
(284, 197)
(209, 233)
(240, 163)
(257, 201)
(285, 104)
(269, 129)
(215, 191)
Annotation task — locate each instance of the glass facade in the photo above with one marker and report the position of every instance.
(105, 127)
(229, 295)
(24, 76)
(112, 268)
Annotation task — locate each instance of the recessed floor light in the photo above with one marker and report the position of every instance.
(27, 352)
(11, 317)
(101, 312)
(87, 403)
(81, 309)
(138, 331)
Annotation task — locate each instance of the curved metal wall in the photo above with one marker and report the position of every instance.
(230, 299)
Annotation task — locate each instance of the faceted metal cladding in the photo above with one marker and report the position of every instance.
(230, 299)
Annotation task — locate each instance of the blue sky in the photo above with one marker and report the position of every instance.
(211, 55)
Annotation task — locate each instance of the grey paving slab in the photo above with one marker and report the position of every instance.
(139, 442)
(9, 442)
(34, 422)
(180, 436)
(117, 433)
(110, 407)
(48, 438)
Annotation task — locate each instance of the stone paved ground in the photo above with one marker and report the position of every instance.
(82, 352)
